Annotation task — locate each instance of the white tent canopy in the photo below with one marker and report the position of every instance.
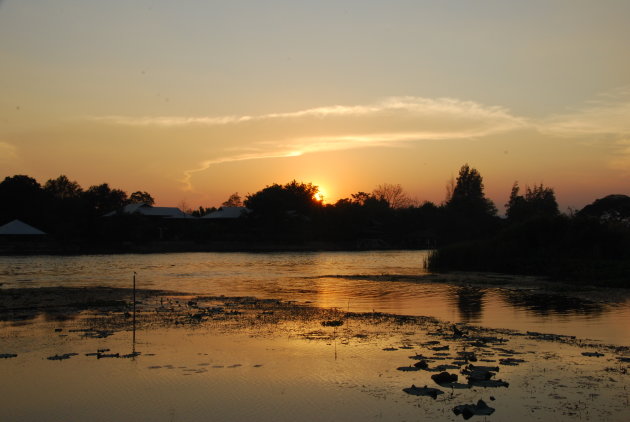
(18, 228)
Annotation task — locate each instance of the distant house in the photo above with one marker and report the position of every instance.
(151, 211)
(228, 213)
(17, 228)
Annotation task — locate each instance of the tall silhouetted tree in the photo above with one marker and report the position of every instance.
(515, 204)
(101, 199)
(468, 196)
(394, 195)
(140, 197)
(18, 186)
(539, 201)
(450, 187)
(277, 200)
(201, 211)
(542, 200)
(610, 208)
(67, 207)
(21, 197)
(361, 198)
(63, 188)
(233, 201)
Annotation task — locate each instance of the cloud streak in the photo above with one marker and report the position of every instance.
(609, 114)
(8, 152)
(418, 106)
(608, 118)
(390, 122)
(205, 165)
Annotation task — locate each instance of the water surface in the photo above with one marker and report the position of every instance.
(330, 279)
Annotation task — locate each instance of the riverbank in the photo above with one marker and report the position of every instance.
(51, 247)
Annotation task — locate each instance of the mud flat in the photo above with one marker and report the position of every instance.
(82, 353)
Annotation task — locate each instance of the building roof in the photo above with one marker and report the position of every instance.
(166, 212)
(146, 209)
(136, 207)
(228, 212)
(17, 227)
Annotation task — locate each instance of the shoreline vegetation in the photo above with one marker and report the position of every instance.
(465, 232)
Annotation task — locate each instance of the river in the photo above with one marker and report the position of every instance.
(344, 280)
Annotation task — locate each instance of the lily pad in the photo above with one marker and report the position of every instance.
(592, 354)
(7, 355)
(423, 391)
(469, 410)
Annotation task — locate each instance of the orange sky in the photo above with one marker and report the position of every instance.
(194, 102)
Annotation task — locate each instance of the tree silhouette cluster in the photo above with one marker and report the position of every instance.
(61, 206)
(538, 201)
(468, 196)
(278, 202)
(592, 245)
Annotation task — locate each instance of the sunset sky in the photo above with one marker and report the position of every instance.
(192, 101)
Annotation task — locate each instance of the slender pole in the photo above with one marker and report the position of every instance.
(335, 340)
(134, 298)
(134, 313)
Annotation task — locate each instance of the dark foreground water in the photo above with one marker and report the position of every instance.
(334, 279)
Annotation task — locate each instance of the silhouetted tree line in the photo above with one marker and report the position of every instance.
(591, 246)
(533, 238)
(61, 207)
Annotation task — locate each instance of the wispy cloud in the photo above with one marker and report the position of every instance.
(609, 114)
(230, 120)
(606, 118)
(8, 152)
(390, 122)
(205, 165)
(171, 121)
(621, 160)
(418, 106)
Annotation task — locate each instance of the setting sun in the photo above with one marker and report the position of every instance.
(320, 195)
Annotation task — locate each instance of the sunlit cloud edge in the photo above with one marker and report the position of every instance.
(418, 105)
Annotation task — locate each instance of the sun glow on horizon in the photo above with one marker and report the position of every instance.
(321, 194)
